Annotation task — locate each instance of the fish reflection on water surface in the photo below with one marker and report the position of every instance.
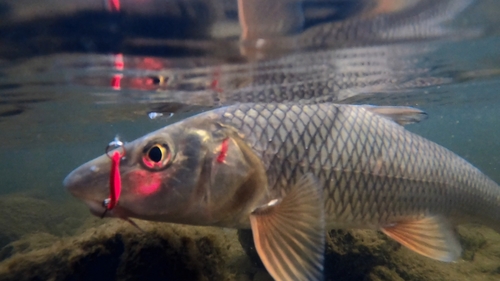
(313, 51)
(291, 172)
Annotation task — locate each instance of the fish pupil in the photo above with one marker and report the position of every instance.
(155, 154)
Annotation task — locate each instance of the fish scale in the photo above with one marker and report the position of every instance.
(374, 171)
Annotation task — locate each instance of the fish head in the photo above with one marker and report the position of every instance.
(189, 172)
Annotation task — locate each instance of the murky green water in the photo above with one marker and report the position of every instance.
(73, 77)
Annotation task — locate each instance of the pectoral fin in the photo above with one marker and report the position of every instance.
(289, 234)
(403, 115)
(432, 237)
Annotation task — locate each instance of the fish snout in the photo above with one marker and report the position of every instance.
(72, 183)
(88, 181)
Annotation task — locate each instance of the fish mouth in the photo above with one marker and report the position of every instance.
(95, 206)
(97, 209)
(88, 192)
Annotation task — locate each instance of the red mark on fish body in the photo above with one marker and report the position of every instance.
(146, 183)
(116, 82)
(150, 63)
(114, 5)
(151, 164)
(215, 85)
(115, 183)
(119, 64)
(117, 78)
(223, 150)
(148, 189)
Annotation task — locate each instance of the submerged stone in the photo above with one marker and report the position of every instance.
(115, 251)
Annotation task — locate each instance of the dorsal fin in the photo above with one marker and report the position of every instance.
(403, 115)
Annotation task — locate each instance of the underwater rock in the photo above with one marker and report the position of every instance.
(20, 215)
(471, 240)
(28, 243)
(116, 251)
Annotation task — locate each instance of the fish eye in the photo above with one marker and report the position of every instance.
(156, 153)
(156, 156)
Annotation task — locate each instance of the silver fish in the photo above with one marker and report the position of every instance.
(291, 172)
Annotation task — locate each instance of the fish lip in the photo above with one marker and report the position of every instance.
(94, 207)
(97, 209)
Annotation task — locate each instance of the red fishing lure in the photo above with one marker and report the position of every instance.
(115, 182)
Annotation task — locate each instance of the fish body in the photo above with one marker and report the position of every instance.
(290, 172)
(373, 171)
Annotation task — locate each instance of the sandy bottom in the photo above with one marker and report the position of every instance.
(42, 240)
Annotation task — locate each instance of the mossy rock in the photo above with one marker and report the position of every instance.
(471, 240)
(115, 251)
(21, 215)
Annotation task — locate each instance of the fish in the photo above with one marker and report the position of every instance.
(307, 52)
(269, 28)
(351, 75)
(290, 172)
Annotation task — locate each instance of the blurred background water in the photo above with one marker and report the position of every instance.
(73, 74)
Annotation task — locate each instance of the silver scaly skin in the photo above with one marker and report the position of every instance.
(290, 172)
(373, 171)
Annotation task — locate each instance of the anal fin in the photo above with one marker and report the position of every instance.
(432, 237)
(289, 233)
